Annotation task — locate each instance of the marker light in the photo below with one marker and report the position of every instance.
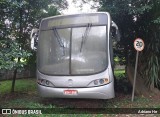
(99, 82)
(45, 82)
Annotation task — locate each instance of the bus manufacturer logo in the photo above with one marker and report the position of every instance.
(70, 82)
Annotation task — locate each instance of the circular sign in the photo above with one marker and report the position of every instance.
(139, 44)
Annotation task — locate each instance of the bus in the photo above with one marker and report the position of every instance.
(75, 56)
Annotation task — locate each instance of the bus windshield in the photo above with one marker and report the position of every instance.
(73, 50)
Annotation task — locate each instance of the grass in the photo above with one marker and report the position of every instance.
(21, 85)
(119, 73)
(25, 96)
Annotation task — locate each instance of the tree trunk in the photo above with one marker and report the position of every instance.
(19, 40)
(140, 87)
(13, 81)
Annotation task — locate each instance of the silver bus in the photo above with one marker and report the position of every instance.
(75, 56)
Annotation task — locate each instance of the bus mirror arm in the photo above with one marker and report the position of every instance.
(118, 36)
(34, 39)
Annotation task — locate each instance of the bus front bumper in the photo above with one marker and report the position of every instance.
(100, 92)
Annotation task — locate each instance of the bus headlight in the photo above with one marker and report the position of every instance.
(45, 82)
(99, 82)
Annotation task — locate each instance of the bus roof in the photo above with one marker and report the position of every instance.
(97, 18)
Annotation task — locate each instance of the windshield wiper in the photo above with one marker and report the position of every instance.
(84, 37)
(59, 39)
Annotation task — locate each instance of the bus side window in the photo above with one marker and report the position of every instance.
(111, 44)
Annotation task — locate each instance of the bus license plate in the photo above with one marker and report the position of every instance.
(70, 92)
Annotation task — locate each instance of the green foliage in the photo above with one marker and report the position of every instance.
(119, 73)
(140, 10)
(157, 21)
(151, 62)
(9, 51)
(137, 18)
(17, 19)
(23, 15)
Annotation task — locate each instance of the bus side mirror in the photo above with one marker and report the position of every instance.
(115, 32)
(34, 39)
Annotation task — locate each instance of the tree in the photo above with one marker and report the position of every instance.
(9, 57)
(137, 18)
(25, 14)
(17, 19)
(149, 22)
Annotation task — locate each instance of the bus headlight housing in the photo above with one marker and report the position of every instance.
(99, 82)
(45, 82)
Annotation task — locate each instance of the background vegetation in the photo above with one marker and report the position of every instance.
(137, 19)
(17, 19)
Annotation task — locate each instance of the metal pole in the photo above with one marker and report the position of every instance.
(135, 73)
